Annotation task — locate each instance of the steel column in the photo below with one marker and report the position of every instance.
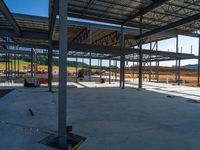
(100, 68)
(179, 71)
(176, 75)
(76, 69)
(133, 67)
(90, 59)
(50, 57)
(140, 56)
(157, 64)
(35, 62)
(150, 62)
(8, 66)
(11, 67)
(18, 66)
(14, 65)
(116, 70)
(198, 76)
(62, 92)
(6, 56)
(32, 63)
(90, 68)
(110, 71)
(122, 60)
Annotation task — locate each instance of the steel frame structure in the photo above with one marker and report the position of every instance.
(126, 24)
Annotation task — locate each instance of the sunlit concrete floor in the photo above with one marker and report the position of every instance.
(109, 117)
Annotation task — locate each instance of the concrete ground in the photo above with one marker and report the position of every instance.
(161, 117)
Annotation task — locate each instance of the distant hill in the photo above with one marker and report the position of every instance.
(190, 66)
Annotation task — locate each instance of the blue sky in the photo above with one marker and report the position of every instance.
(40, 8)
(31, 7)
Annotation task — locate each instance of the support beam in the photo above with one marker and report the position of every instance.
(76, 69)
(62, 91)
(81, 36)
(198, 76)
(170, 26)
(110, 71)
(157, 64)
(18, 65)
(8, 15)
(6, 58)
(100, 68)
(116, 70)
(32, 53)
(133, 67)
(50, 58)
(90, 59)
(179, 72)
(53, 9)
(90, 67)
(177, 50)
(150, 71)
(122, 60)
(143, 11)
(140, 57)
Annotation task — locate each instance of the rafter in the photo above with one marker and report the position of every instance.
(8, 15)
(170, 26)
(143, 11)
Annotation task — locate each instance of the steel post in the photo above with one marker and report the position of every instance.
(179, 71)
(157, 64)
(18, 67)
(100, 68)
(122, 60)
(198, 74)
(176, 74)
(31, 62)
(90, 60)
(90, 68)
(76, 69)
(6, 58)
(50, 57)
(62, 92)
(140, 57)
(109, 71)
(150, 62)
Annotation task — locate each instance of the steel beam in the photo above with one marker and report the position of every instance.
(50, 58)
(143, 11)
(179, 71)
(8, 15)
(150, 62)
(198, 76)
(170, 26)
(29, 34)
(100, 68)
(140, 57)
(81, 36)
(122, 60)
(90, 59)
(32, 53)
(18, 65)
(76, 69)
(177, 50)
(62, 91)
(53, 9)
(157, 64)
(109, 71)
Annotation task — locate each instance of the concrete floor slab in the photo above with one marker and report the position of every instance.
(109, 117)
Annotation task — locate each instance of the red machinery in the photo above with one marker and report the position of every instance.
(42, 76)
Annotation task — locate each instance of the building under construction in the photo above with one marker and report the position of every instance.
(119, 114)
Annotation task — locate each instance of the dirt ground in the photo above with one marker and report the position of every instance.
(166, 74)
